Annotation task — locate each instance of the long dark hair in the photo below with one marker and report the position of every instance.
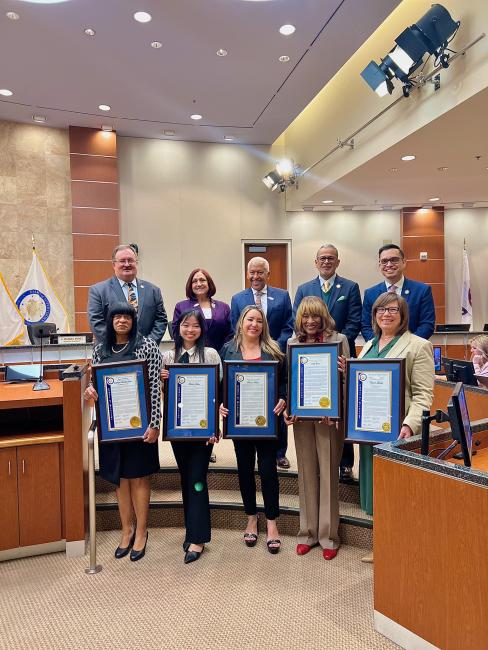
(110, 336)
(199, 343)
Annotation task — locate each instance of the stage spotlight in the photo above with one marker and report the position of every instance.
(273, 180)
(378, 78)
(282, 176)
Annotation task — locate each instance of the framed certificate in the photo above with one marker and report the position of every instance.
(191, 409)
(314, 381)
(250, 394)
(123, 407)
(375, 399)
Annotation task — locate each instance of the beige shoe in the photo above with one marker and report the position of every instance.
(368, 558)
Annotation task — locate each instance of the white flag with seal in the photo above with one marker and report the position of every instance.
(12, 326)
(466, 305)
(37, 301)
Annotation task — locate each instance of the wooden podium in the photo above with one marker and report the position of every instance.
(43, 466)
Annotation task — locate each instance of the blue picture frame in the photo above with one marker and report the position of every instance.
(107, 378)
(206, 377)
(264, 424)
(366, 378)
(331, 397)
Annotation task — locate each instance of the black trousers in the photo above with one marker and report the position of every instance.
(192, 458)
(246, 458)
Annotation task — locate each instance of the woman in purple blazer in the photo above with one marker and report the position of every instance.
(200, 289)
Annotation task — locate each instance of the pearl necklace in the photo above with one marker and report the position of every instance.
(121, 349)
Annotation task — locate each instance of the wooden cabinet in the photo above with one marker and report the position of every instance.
(31, 511)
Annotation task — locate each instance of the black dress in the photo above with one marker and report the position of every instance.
(133, 459)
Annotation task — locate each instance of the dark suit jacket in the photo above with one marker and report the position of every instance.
(219, 329)
(279, 313)
(344, 306)
(421, 311)
(151, 315)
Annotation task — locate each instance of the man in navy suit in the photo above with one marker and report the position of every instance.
(142, 295)
(343, 301)
(276, 304)
(421, 311)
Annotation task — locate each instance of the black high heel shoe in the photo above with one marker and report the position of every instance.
(138, 555)
(123, 551)
(191, 556)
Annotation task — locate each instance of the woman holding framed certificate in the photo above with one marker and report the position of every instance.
(192, 456)
(253, 343)
(318, 443)
(129, 464)
(392, 340)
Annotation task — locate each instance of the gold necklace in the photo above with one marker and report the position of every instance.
(121, 349)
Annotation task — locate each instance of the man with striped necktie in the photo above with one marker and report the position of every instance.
(124, 285)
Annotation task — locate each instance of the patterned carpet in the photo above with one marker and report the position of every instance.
(233, 597)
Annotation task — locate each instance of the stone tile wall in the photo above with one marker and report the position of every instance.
(35, 200)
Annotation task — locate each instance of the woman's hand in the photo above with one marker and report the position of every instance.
(164, 374)
(326, 420)
(341, 363)
(405, 432)
(278, 409)
(289, 419)
(214, 439)
(150, 435)
(90, 393)
(223, 411)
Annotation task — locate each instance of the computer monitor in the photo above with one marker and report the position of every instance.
(27, 372)
(453, 327)
(485, 327)
(460, 422)
(463, 371)
(448, 371)
(437, 358)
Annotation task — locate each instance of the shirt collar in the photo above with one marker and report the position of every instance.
(398, 284)
(331, 280)
(263, 291)
(123, 283)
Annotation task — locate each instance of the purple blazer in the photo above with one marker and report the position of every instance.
(219, 329)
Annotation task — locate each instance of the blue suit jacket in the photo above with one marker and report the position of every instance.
(219, 329)
(151, 315)
(421, 311)
(279, 313)
(344, 306)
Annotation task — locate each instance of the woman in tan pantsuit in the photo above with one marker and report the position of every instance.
(318, 445)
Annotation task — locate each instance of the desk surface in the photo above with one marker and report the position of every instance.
(14, 396)
(478, 461)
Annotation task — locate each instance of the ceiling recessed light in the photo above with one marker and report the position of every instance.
(39, 118)
(328, 201)
(104, 107)
(89, 31)
(229, 138)
(107, 128)
(393, 169)
(434, 198)
(196, 116)
(442, 169)
(284, 58)
(156, 45)
(6, 92)
(286, 30)
(142, 17)
(408, 157)
(11, 15)
(221, 52)
(168, 132)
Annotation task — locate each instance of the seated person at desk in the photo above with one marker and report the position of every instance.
(129, 464)
(479, 355)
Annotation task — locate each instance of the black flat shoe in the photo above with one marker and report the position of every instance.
(186, 546)
(191, 556)
(123, 551)
(138, 555)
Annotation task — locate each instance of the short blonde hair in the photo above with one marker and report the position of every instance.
(315, 307)
(481, 342)
(386, 299)
(265, 341)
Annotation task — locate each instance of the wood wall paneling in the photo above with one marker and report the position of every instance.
(92, 194)
(94, 247)
(432, 244)
(429, 271)
(93, 142)
(81, 298)
(422, 221)
(439, 293)
(440, 314)
(87, 273)
(93, 168)
(95, 221)
(81, 322)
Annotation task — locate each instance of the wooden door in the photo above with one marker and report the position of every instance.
(39, 494)
(9, 512)
(276, 254)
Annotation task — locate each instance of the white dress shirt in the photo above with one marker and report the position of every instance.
(264, 298)
(398, 285)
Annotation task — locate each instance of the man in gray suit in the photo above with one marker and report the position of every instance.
(142, 295)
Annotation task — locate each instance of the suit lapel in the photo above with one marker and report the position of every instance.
(406, 290)
(271, 298)
(317, 291)
(400, 345)
(334, 292)
(141, 292)
(117, 289)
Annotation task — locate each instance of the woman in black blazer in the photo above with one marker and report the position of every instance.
(252, 342)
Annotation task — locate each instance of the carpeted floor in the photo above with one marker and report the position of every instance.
(233, 597)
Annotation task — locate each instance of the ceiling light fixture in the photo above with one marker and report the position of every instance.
(89, 31)
(142, 17)
(282, 176)
(284, 58)
(196, 116)
(286, 30)
(11, 15)
(229, 138)
(408, 157)
(431, 34)
(39, 118)
(156, 45)
(221, 52)
(5, 92)
(104, 107)
(107, 128)
(393, 169)
(434, 198)
(442, 169)
(327, 201)
(168, 132)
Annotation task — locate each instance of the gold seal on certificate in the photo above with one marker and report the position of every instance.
(386, 427)
(135, 422)
(324, 402)
(260, 420)
(203, 424)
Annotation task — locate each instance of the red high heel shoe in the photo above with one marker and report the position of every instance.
(329, 553)
(303, 549)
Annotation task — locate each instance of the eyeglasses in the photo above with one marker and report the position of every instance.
(326, 258)
(390, 260)
(259, 274)
(128, 261)
(388, 310)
